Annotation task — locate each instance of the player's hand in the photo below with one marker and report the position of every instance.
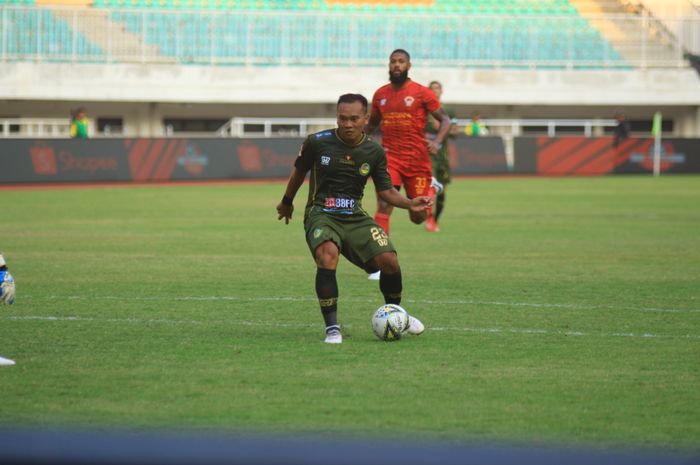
(285, 211)
(421, 203)
(7, 287)
(433, 147)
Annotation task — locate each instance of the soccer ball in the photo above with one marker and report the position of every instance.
(7, 288)
(389, 322)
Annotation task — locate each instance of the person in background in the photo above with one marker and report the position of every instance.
(79, 124)
(440, 160)
(476, 127)
(400, 109)
(622, 129)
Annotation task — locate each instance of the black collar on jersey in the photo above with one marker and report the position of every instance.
(364, 136)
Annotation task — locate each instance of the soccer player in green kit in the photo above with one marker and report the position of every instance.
(341, 161)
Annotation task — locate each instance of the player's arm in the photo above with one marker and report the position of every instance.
(443, 130)
(286, 206)
(397, 199)
(302, 165)
(375, 118)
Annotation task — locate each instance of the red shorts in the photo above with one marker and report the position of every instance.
(415, 185)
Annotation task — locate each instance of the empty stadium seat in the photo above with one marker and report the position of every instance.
(509, 32)
(32, 33)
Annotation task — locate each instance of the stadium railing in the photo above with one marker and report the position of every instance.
(33, 127)
(301, 127)
(275, 38)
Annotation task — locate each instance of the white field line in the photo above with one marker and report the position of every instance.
(524, 331)
(562, 306)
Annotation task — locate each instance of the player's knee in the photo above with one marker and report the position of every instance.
(327, 255)
(388, 263)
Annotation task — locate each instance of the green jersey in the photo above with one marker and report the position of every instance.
(339, 172)
(440, 160)
(79, 128)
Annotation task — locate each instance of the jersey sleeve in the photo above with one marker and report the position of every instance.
(380, 175)
(305, 159)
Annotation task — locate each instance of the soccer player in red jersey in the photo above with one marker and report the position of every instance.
(402, 108)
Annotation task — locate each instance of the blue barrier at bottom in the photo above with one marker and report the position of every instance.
(39, 447)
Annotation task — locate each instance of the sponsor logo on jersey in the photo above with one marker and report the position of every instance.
(325, 160)
(382, 102)
(347, 160)
(323, 134)
(364, 169)
(409, 101)
(339, 202)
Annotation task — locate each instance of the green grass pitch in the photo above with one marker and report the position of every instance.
(558, 311)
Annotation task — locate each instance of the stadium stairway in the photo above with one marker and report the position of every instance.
(110, 36)
(626, 36)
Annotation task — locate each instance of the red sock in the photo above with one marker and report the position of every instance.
(382, 219)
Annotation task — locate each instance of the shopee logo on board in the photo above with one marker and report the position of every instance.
(43, 159)
(47, 163)
(249, 156)
(71, 162)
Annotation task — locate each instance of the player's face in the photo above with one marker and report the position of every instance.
(398, 67)
(437, 90)
(352, 118)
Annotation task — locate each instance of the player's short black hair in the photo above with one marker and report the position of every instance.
(434, 82)
(352, 98)
(400, 50)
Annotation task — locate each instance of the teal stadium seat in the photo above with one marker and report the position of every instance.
(31, 33)
(451, 32)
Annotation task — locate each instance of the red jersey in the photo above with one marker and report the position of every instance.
(404, 114)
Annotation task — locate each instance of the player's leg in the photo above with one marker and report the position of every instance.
(327, 256)
(390, 283)
(384, 209)
(441, 173)
(383, 213)
(418, 186)
(391, 286)
(439, 205)
(367, 246)
(323, 239)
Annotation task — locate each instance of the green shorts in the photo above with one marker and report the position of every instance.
(441, 166)
(358, 237)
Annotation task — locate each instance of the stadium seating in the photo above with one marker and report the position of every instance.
(513, 33)
(39, 33)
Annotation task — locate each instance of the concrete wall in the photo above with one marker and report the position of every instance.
(144, 94)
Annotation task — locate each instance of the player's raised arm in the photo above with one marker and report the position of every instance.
(286, 206)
